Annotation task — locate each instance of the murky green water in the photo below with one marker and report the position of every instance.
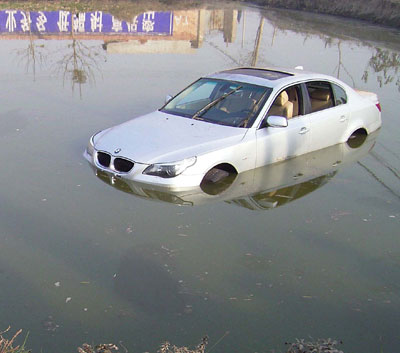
(305, 248)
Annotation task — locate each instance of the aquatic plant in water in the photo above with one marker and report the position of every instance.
(167, 347)
(319, 346)
(101, 348)
(300, 346)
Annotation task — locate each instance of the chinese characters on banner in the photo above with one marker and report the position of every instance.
(151, 23)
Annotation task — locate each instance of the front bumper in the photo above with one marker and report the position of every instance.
(186, 180)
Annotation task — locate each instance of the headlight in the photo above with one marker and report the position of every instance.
(169, 170)
(90, 147)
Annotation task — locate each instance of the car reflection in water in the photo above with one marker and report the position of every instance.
(262, 188)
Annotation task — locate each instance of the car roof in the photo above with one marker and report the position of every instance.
(269, 77)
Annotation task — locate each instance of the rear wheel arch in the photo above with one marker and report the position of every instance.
(354, 127)
(357, 137)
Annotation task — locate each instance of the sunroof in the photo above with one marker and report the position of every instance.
(267, 74)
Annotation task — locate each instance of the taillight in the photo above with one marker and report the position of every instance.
(378, 105)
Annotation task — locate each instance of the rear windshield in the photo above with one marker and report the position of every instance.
(220, 102)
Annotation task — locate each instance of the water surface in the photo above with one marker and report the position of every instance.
(313, 253)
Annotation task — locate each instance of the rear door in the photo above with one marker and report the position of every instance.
(328, 113)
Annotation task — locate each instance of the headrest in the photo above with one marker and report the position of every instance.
(321, 95)
(281, 99)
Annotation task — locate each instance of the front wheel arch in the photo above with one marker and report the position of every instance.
(218, 178)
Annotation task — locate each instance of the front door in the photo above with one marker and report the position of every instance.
(276, 144)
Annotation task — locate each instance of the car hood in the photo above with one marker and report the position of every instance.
(159, 137)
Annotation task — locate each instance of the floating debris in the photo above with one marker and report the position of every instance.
(68, 299)
(48, 324)
(188, 309)
(337, 214)
(57, 284)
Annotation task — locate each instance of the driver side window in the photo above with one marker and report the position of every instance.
(287, 103)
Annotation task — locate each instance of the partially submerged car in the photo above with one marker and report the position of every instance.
(233, 121)
(262, 188)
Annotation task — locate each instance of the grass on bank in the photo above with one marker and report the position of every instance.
(7, 345)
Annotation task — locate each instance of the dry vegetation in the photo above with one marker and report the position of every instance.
(7, 345)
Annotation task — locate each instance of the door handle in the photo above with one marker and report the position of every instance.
(342, 119)
(303, 130)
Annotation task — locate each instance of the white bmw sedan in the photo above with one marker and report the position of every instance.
(233, 121)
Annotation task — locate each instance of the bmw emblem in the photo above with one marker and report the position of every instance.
(118, 150)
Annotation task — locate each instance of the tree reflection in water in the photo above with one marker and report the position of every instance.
(79, 63)
(35, 54)
(385, 64)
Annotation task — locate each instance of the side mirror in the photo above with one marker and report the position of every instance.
(168, 97)
(275, 121)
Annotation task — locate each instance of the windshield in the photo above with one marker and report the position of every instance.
(220, 102)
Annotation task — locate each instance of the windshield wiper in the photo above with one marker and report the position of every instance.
(198, 114)
(255, 108)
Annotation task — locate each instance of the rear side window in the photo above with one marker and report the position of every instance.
(340, 95)
(321, 96)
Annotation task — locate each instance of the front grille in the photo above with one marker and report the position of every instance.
(123, 165)
(104, 159)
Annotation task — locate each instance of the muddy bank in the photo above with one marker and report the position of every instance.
(383, 12)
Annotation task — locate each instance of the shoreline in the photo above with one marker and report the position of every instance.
(380, 12)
